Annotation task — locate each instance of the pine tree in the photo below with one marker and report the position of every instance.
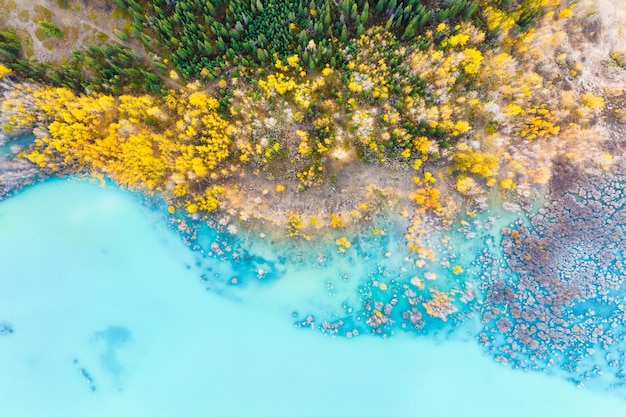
(380, 6)
(409, 32)
(365, 13)
(344, 33)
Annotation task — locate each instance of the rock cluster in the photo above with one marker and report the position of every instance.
(561, 300)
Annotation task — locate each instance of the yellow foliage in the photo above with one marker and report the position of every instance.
(4, 71)
(353, 86)
(191, 208)
(565, 13)
(540, 124)
(342, 244)
(458, 40)
(279, 83)
(466, 185)
(336, 221)
(459, 127)
(497, 19)
(427, 197)
(294, 226)
(592, 101)
(113, 136)
(292, 61)
(473, 60)
(210, 201)
(508, 184)
(468, 160)
(304, 148)
(513, 110)
(138, 165)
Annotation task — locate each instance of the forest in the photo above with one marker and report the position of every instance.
(195, 100)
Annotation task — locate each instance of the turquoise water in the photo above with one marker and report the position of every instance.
(110, 318)
(15, 145)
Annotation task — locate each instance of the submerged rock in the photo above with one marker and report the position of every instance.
(562, 301)
(5, 329)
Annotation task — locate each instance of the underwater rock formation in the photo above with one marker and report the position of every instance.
(562, 299)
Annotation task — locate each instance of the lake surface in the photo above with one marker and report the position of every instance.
(109, 317)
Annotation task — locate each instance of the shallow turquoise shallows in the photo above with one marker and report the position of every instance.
(109, 320)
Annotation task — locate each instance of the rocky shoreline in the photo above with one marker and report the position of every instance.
(15, 173)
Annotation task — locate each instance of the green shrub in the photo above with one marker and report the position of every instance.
(50, 29)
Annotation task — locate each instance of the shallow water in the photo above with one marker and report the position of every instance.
(15, 145)
(110, 318)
